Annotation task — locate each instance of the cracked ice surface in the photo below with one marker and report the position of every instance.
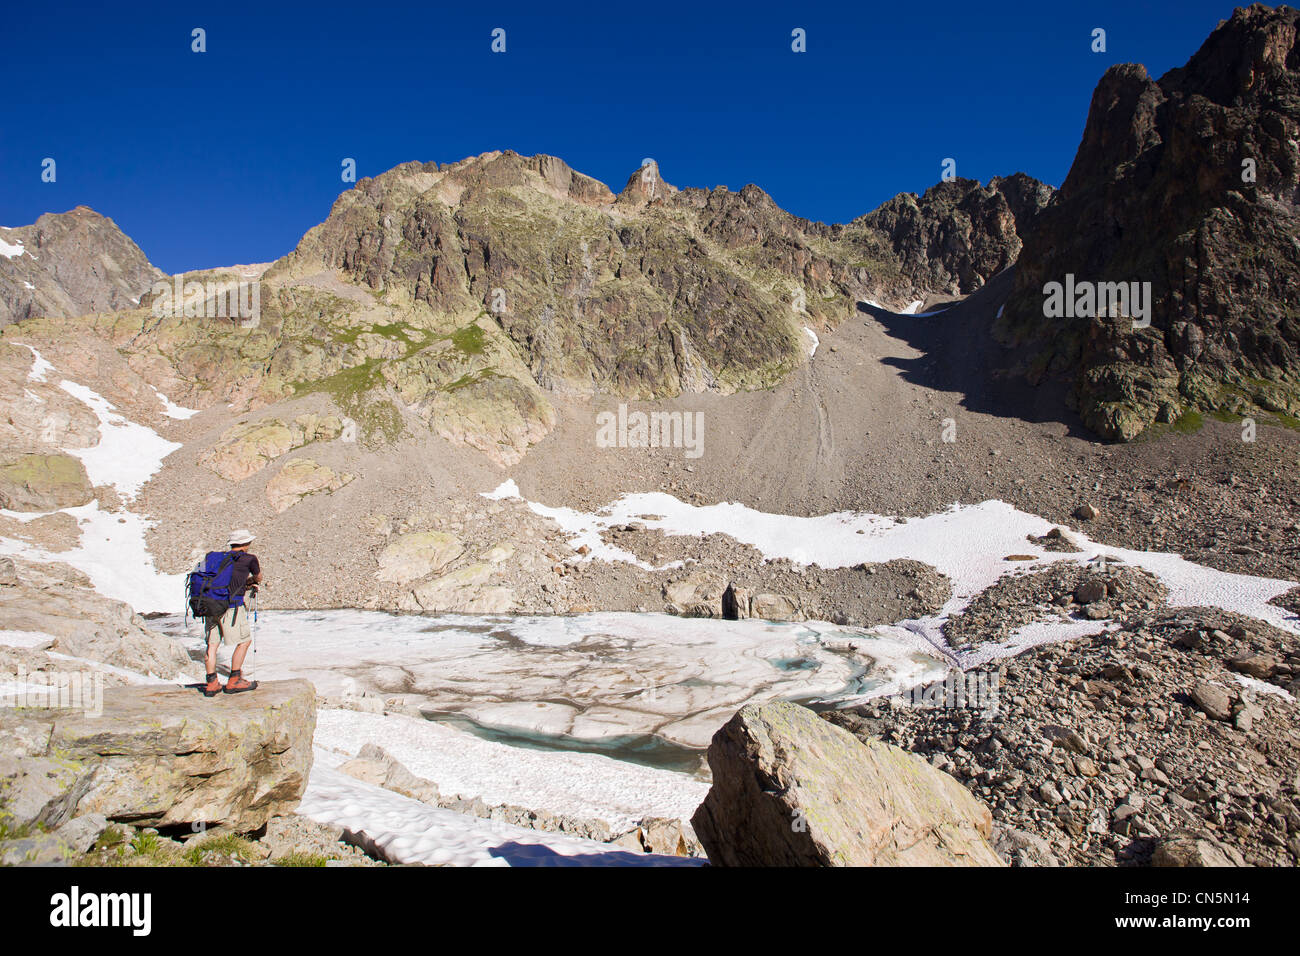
(587, 677)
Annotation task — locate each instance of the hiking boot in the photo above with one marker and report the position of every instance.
(213, 687)
(237, 684)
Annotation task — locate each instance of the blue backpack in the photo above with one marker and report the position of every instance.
(207, 587)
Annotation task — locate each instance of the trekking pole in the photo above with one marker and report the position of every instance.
(253, 631)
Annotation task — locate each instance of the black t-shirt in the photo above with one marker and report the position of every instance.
(245, 567)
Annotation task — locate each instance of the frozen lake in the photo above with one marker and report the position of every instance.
(646, 687)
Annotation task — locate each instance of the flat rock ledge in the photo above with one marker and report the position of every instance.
(160, 755)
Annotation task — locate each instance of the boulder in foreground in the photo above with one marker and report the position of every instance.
(790, 789)
(161, 755)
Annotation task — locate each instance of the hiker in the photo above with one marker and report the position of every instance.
(229, 626)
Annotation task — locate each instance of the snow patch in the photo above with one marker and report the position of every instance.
(812, 337)
(11, 250)
(507, 489)
(22, 517)
(111, 551)
(409, 831)
(172, 410)
(909, 310)
(127, 455)
(40, 367)
(25, 639)
(111, 548)
(1264, 687)
(967, 543)
(586, 785)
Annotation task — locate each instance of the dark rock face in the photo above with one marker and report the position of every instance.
(68, 264)
(1190, 183)
(959, 233)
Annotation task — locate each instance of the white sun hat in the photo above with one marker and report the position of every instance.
(242, 536)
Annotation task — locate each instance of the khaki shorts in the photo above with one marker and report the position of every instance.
(231, 627)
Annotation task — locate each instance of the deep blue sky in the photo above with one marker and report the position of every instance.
(231, 155)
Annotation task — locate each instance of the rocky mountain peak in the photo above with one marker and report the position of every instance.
(68, 264)
(646, 185)
(1248, 57)
(959, 233)
(1186, 187)
(1025, 195)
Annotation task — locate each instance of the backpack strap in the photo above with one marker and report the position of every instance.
(243, 590)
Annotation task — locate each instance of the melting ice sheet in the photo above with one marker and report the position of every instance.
(639, 685)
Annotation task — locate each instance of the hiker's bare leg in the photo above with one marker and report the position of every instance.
(210, 661)
(237, 658)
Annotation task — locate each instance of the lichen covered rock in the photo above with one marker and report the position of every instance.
(412, 556)
(299, 478)
(43, 482)
(790, 789)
